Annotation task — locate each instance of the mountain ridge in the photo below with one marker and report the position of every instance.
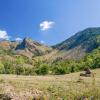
(74, 47)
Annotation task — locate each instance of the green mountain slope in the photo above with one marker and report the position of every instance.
(78, 45)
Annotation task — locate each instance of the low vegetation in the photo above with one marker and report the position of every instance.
(20, 65)
(50, 87)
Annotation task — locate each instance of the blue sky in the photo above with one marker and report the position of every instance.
(47, 21)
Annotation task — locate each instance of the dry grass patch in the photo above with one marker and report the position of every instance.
(51, 87)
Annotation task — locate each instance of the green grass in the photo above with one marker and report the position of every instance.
(51, 87)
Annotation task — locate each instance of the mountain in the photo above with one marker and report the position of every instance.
(79, 44)
(75, 47)
(29, 57)
(32, 48)
(27, 47)
(8, 44)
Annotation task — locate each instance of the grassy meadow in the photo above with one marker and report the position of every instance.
(50, 87)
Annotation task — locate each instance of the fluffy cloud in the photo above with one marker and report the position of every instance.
(18, 39)
(42, 42)
(45, 25)
(4, 35)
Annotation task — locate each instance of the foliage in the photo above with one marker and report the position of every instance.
(11, 66)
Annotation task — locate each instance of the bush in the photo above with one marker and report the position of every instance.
(43, 69)
(1, 68)
(59, 70)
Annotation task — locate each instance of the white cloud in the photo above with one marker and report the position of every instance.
(18, 39)
(4, 35)
(43, 42)
(45, 25)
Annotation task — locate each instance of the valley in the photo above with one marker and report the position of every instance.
(30, 70)
(49, 49)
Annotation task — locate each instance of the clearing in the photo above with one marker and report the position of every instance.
(50, 87)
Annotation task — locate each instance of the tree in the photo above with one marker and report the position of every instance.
(1, 68)
(43, 69)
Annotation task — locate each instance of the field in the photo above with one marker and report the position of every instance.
(50, 87)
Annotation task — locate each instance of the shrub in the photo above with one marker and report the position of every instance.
(42, 69)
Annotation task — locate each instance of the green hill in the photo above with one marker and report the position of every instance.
(78, 45)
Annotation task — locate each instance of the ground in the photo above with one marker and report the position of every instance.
(50, 87)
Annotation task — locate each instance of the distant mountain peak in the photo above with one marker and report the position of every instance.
(35, 48)
(27, 39)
